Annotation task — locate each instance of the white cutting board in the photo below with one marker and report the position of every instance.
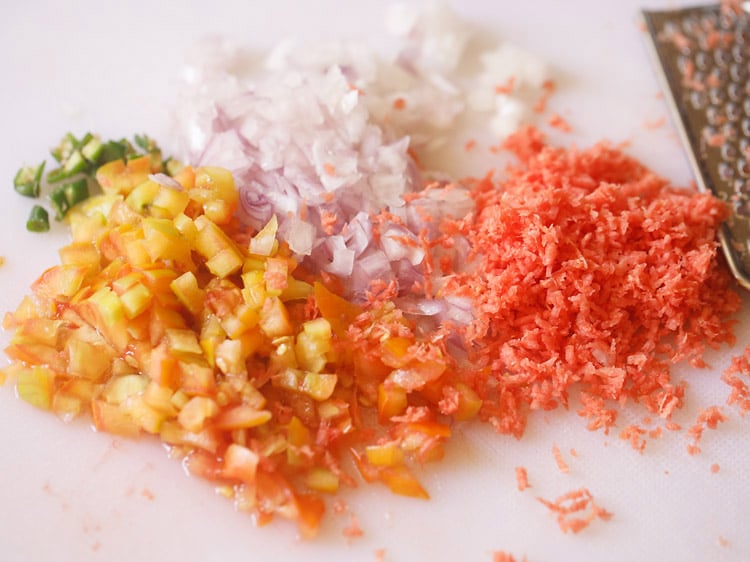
(69, 494)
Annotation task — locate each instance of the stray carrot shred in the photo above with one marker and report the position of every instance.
(558, 122)
(502, 556)
(329, 169)
(576, 502)
(353, 530)
(506, 88)
(654, 123)
(559, 460)
(379, 555)
(548, 88)
(715, 468)
(708, 418)
(399, 103)
(740, 391)
(522, 478)
(470, 145)
(634, 434)
(328, 221)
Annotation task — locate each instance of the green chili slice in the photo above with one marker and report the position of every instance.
(38, 220)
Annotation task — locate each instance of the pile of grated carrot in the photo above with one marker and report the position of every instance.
(590, 276)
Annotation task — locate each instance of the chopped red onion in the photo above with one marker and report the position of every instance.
(320, 136)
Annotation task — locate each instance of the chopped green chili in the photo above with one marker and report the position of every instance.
(38, 220)
(92, 150)
(28, 180)
(76, 191)
(59, 203)
(78, 161)
(65, 196)
(62, 151)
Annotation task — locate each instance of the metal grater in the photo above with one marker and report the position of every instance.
(710, 46)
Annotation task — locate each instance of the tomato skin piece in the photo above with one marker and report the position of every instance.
(401, 481)
(338, 311)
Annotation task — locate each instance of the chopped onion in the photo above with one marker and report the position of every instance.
(321, 136)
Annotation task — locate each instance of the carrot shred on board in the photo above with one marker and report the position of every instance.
(654, 123)
(709, 418)
(634, 434)
(588, 273)
(507, 87)
(558, 122)
(548, 88)
(576, 510)
(353, 530)
(559, 460)
(522, 478)
(503, 556)
(740, 391)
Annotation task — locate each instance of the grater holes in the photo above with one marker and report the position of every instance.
(684, 64)
(718, 96)
(729, 152)
(702, 61)
(715, 116)
(738, 72)
(733, 112)
(730, 131)
(741, 188)
(734, 91)
(698, 99)
(741, 206)
(709, 21)
(722, 58)
(726, 171)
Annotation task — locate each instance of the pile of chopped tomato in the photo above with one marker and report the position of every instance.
(166, 317)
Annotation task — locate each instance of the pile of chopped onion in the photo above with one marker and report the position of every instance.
(324, 136)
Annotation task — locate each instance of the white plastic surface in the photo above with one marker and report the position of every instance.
(69, 494)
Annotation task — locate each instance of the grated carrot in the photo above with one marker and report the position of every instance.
(567, 506)
(559, 460)
(588, 272)
(740, 391)
(522, 478)
(353, 530)
(654, 123)
(558, 122)
(709, 418)
(634, 434)
(548, 88)
(502, 556)
(507, 87)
